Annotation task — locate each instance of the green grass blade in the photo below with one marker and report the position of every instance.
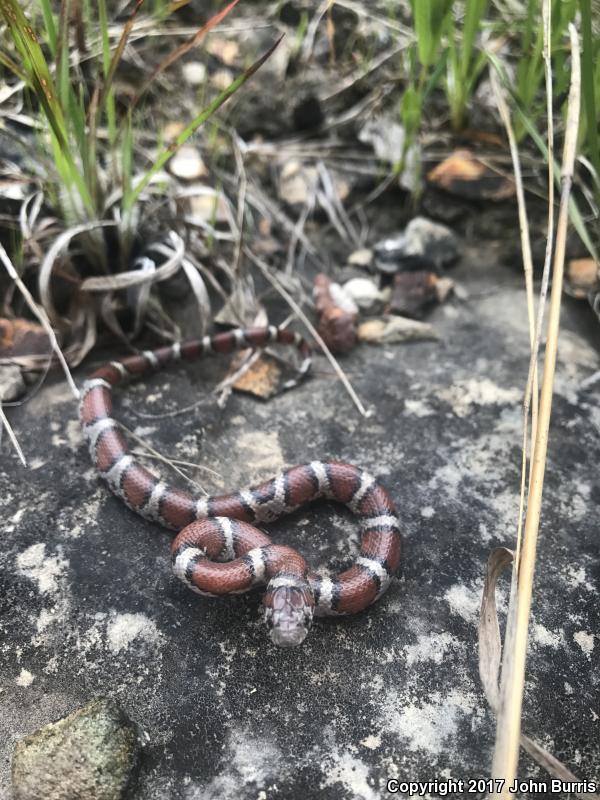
(589, 93)
(49, 25)
(204, 115)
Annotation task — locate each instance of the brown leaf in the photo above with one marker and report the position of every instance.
(338, 315)
(261, 379)
(464, 175)
(20, 337)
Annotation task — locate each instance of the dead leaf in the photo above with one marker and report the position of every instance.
(394, 329)
(20, 337)
(464, 175)
(412, 292)
(261, 379)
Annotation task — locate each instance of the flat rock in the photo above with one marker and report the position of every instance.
(89, 606)
(90, 755)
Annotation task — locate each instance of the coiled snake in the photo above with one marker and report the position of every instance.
(217, 551)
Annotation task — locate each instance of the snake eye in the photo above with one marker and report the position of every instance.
(289, 613)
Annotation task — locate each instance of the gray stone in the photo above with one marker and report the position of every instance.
(90, 755)
(89, 606)
(422, 240)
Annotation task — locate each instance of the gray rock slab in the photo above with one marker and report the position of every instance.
(88, 605)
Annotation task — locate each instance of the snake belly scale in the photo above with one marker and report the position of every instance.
(218, 549)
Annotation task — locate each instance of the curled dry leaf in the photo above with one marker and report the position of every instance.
(338, 315)
(394, 329)
(464, 175)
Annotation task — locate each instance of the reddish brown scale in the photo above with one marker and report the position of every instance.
(207, 534)
(223, 343)
(215, 578)
(177, 508)
(192, 349)
(256, 336)
(301, 485)
(97, 404)
(282, 559)
(357, 590)
(137, 485)
(376, 502)
(344, 480)
(111, 446)
(136, 365)
(164, 355)
(108, 373)
(230, 505)
(284, 336)
(383, 546)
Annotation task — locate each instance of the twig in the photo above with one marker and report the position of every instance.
(12, 437)
(506, 751)
(302, 316)
(41, 315)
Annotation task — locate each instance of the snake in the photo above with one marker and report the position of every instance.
(218, 549)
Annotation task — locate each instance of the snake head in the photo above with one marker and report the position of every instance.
(289, 607)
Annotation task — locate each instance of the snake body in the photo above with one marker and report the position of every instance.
(218, 551)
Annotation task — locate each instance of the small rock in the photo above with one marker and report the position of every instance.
(394, 329)
(464, 175)
(413, 292)
(187, 165)
(208, 207)
(221, 79)
(421, 241)
(297, 182)
(338, 315)
(92, 754)
(194, 73)
(365, 293)
(361, 258)
(582, 274)
(12, 385)
(226, 50)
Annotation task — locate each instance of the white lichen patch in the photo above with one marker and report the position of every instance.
(249, 761)
(372, 741)
(25, 678)
(430, 726)
(427, 512)
(464, 395)
(44, 570)
(418, 408)
(586, 641)
(124, 629)
(464, 601)
(347, 770)
(546, 638)
(432, 648)
(576, 577)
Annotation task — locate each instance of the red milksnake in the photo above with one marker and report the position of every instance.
(217, 551)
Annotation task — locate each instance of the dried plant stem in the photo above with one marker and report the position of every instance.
(11, 436)
(302, 316)
(41, 315)
(506, 752)
(531, 393)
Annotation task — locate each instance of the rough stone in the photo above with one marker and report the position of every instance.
(89, 606)
(90, 755)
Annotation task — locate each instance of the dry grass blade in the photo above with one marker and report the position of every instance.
(41, 315)
(180, 51)
(490, 652)
(302, 316)
(12, 437)
(506, 751)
